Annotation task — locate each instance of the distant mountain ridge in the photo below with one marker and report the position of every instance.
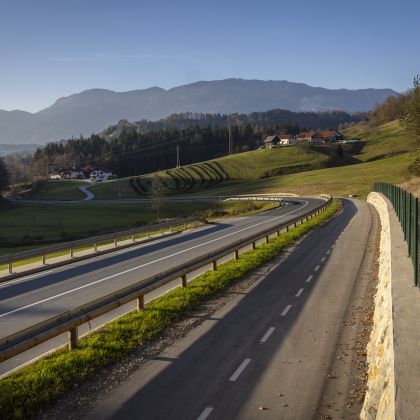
(92, 110)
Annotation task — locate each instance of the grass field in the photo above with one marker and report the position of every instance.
(30, 224)
(39, 385)
(338, 181)
(384, 141)
(246, 166)
(55, 190)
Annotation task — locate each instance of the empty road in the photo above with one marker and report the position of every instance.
(32, 299)
(273, 352)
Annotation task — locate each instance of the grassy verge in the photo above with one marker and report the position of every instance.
(31, 224)
(55, 190)
(39, 385)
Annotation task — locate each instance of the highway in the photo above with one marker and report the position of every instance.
(32, 299)
(272, 352)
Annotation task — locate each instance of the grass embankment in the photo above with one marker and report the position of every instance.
(27, 224)
(27, 391)
(55, 190)
(387, 140)
(356, 180)
(246, 166)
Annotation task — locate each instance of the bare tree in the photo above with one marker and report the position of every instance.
(157, 190)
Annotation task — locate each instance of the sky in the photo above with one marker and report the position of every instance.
(54, 48)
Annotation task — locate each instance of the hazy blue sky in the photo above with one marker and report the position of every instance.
(52, 48)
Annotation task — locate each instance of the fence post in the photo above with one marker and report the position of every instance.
(140, 303)
(72, 334)
(115, 240)
(10, 264)
(184, 280)
(71, 252)
(267, 239)
(44, 258)
(416, 242)
(236, 255)
(254, 245)
(214, 265)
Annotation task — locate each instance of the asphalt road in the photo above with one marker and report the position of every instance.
(268, 354)
(32, 299)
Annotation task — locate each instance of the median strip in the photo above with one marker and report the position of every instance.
(25, 392)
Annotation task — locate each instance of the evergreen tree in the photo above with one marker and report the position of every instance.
(4, 176)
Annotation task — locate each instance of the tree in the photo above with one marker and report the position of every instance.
(156, 191)
(4, 176)
(412, 116)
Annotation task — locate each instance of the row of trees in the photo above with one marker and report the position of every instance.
(404, 107)
(4, 176)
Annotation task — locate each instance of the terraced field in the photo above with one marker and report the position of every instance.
(228, 170)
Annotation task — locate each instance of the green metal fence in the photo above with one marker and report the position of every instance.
(406, 207)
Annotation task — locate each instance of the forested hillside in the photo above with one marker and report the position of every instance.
(139, 148)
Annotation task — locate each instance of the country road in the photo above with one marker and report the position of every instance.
(32, 299)
(273, 352)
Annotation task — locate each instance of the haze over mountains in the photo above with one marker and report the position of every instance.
(92, 110)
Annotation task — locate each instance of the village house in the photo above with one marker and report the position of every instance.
(271, 141)
(100, 174)
(68, 173)
(314, 137)
(333, 136)
(287, 139)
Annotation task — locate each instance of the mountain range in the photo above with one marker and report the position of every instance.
(92, 110)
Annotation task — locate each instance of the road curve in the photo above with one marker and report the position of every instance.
(268, 355)
(34, 298)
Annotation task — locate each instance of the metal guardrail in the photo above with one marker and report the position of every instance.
(93, 241)
(69, 321)
(406, 206)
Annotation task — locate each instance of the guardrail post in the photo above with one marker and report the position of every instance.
(214, 265)
(184, 280)
(140, 303)
(72, 338)
(236, 255)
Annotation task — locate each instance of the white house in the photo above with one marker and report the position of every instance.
(287, 139)
(98, 175)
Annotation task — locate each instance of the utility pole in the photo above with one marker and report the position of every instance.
(230, 137)
(178, 161)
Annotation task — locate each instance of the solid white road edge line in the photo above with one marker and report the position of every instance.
(299, 292)
(146, 264)
(240, 369)
(7, 283)
(266, 336)
(206, 412)
(285, 310)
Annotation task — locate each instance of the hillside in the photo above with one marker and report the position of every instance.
(90, 111)
(234, 169)
(386, 140)
(383, 153)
